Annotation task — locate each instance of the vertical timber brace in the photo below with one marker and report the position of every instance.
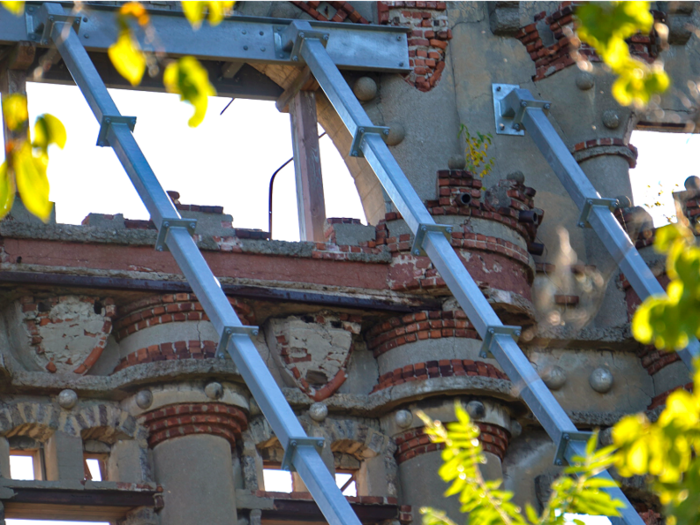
(13, 80)
(311, 205)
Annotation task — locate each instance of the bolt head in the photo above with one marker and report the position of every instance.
(416, 252)
(354, 153)
(108, 120)
(558, 462)
(361, 130)
(245, 48)
(566, 437)
(523, 103)
(547, 106)
(193, 225)
(295, 58)
(301, 34)
(166, 224)
(400, 64)
(159, 248)
(516, 127)
(501, 126)
(293, 443)
(325, 37)
(498, 88)
(85, 19)
(262, 33)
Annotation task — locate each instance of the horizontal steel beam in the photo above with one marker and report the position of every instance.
(236, 39)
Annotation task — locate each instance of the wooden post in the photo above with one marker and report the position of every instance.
(307, 167)
(13, 79)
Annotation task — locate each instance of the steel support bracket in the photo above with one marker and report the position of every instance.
(293, 444)
(189, 224)
(611, 204)
(491, 331)
(566, 438)
(39, 28)
(294, 35)
(356, 146)
(230, 331)
(107, 121)
(509, 107)
(422, 231)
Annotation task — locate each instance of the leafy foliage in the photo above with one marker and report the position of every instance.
(488, 504)
(477, 151)
(669, 321)
(126, 54)
(16, 8)
(196, 11)
(190, 80)
(667, 450)
(25, 165)
(605, 26)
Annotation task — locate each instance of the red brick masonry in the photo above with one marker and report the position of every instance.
(415, 442)
(175, 421)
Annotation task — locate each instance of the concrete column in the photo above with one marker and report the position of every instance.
(197, 477)
(124, 462)
(5, 458)
(64, 457)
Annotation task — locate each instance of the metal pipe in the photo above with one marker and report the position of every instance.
(269, 193)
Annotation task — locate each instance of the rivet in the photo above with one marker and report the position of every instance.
(262, 49)
(498, 88)
(400, 64)
(398, 39)
(86, 35)
(245, 48)
(245, 32)
(262, 33)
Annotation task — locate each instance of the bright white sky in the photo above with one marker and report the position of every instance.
(229, 159)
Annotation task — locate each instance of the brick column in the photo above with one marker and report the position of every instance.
(192, 453)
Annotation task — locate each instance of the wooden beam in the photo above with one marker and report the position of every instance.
(13, 79)
(303, 82)
(307, 167)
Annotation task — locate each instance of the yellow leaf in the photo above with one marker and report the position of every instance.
(195, 11)
(32, 182)
(190, 80)
(7, 191)
(14, 109)
(136, 10)
(16, 8)
(49, 130)
(127, 57)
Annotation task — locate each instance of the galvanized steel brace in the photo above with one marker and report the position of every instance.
(189, 224)
(229, 332)
(293, 444)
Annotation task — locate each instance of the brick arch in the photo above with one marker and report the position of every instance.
(88, 421)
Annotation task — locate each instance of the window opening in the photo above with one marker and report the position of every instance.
(665, 161)
(276, 480)
(22, 465)
(95, 466)
(347, 482)
(222, 162)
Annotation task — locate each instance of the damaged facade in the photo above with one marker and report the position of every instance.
(107, 353)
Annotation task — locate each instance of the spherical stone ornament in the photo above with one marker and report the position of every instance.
(476, 409)
(584, 80)
(518, 176)
(692, 183)
(623, 201)
(318, 412)
(457, 162)
(214, 390)
(611, 119)
(601, 380)
(67, 399)
(144, 399)
(396, 134)
(515, 429)
(403, 418)
(554, 377)
(365, 89)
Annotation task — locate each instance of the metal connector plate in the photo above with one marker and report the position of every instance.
(566, 438)
(356, 146)
(422, 231)
(588, 207)
(189, 224)
(230, 331)
(107, 121)
(513, 331)
(293, 444)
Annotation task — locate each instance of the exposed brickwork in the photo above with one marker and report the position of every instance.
(427, 42)
(416, 442)
(419, 326)
(654, 360)
(452, 184)
(169, 352)
(175, 421)
(567, 49)
(442, 368)
(170, 308)
(38, 313)
(651, 517)
(644, 237)
(600, 147)
(659, 400)
(351, 323)
(342, 12)
(691, 207)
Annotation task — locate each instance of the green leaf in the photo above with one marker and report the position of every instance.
(190, 80)
(196, 11)
(32, 182)
(127, 57)
(667, 235)
(49, 130)
(7, 190)
(16, 8)
(14, 110)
